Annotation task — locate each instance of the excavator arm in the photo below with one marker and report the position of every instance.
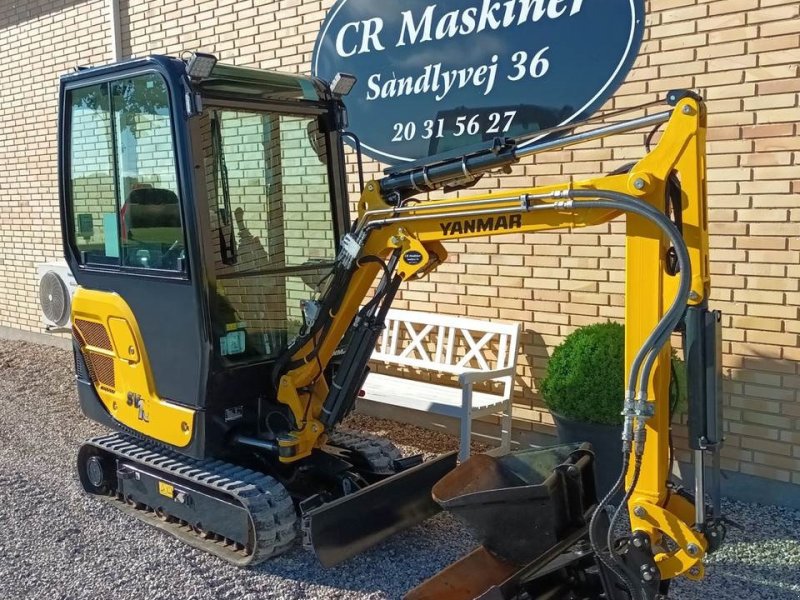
(398, 238)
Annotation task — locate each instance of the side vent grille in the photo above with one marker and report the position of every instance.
(100, 366)
(94, 334)
(103, 368)
(78, 337)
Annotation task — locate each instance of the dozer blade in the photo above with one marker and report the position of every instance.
(345, 527)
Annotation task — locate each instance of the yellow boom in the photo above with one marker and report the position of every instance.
(408, 236)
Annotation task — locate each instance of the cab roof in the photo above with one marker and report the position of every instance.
(225, 80)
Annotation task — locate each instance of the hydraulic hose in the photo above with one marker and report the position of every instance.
(635, 404)
(330, 304)
(647, 353)
(667, 324)
(594, 524)
(637, 469)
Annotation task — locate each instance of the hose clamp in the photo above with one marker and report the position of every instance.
(644, 410)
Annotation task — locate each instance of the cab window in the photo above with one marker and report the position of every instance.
(273, 231)
(124, 192)
(92, 192)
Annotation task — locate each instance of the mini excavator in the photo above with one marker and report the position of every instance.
(227, 309)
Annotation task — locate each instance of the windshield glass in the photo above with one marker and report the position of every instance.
(273, 232)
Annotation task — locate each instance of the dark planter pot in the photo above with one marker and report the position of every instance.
(606, 440)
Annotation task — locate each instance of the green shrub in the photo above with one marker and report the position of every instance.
(678, 392)
(585, 378)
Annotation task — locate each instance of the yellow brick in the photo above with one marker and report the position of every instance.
(777, 13)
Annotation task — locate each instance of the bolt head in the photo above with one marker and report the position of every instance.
(647, 576)
(694, 296)
(370, 187)
(639, 184)
(694, 571)
(692, 549)
(687, 110)
(640, 512)
(638, 543)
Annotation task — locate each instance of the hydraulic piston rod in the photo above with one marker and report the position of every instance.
(502, 153)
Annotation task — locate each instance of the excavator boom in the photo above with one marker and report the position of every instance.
(400, 238)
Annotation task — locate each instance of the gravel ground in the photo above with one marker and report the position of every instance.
(59, 544)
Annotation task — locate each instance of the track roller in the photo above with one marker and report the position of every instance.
(239, 515)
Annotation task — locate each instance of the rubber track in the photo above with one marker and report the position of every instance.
(272, 515)
(379, 452)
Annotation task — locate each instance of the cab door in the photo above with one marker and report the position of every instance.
(128, 225)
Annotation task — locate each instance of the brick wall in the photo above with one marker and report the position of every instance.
(743, 54)
(38, 42)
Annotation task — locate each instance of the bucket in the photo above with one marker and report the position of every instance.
(523, 503)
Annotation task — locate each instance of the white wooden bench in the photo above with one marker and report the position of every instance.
(473, 351)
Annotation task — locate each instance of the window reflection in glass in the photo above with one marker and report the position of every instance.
(273, 228)
(93, 205)
(123, 178)
(150, 217)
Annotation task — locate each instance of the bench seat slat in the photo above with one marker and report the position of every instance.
(431, 397)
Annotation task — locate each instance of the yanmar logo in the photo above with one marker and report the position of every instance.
(480, 225)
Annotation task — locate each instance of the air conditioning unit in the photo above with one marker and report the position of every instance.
(56, 287)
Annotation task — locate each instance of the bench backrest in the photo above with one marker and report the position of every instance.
(446, 343)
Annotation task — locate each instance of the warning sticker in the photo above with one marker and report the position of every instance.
(166, 489)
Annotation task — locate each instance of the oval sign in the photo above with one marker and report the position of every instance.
(437, 76)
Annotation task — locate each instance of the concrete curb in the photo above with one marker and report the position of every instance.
(35, 337)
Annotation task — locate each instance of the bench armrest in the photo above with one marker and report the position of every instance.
(471, 377)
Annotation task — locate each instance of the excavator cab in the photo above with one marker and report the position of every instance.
(212, 206)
